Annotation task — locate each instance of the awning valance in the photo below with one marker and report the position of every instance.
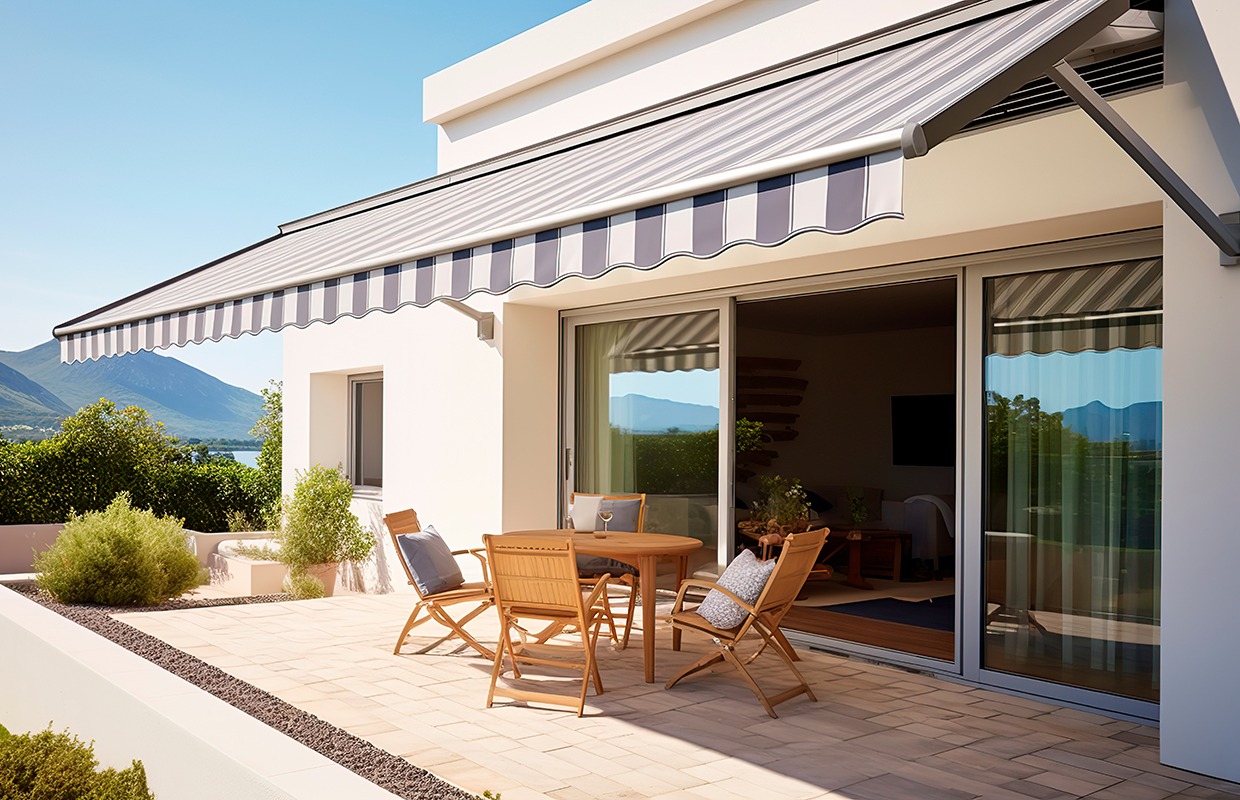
(823, 152)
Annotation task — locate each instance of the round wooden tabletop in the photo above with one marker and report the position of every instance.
(617, 543)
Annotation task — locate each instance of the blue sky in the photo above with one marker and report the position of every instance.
(1116, 378)
(142, 139)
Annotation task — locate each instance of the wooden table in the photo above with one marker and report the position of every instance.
(855, 541)
(642, 551)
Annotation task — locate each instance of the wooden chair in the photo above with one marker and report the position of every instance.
(435, 604)
(800, 551)
(623, 574)
(535, 578)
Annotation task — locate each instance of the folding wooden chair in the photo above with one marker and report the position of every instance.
(620, 573)
(435, 604)
(535, 578)
(800, 551)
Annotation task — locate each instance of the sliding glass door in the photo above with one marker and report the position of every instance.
(645, 405)
(1073, 475)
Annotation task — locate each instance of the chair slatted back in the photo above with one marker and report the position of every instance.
(641, 511)
(800, 553)
(535, 573)
(399, 522)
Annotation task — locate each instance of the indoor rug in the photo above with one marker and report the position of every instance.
(936, 613)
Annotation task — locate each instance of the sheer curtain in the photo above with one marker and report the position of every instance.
(1074, 475)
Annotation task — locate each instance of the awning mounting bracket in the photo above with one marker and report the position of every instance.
(485, 319)
(1223, 230)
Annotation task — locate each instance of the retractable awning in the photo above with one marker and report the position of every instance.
(1105, 307)
(822, 152)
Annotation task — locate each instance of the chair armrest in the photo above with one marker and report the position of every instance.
(703, 584)
(479, 553)
(600, 587)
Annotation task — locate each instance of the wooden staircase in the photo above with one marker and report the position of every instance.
(768, 390)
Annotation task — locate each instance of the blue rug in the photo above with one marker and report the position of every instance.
(937, 613)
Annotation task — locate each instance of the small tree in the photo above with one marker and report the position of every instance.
(270, 428)
(318, 526)
(49, 766)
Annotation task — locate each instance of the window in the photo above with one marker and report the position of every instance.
(366, 431)
(1073, 379)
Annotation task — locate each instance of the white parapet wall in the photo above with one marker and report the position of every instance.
(20, 543)
(192, 744)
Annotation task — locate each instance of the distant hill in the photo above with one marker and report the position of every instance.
(1140, 423)
(639, 413)
(24, 402)
(34, 385)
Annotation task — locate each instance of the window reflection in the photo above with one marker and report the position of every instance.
(1073, 379)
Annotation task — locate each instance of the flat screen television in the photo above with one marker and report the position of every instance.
(923, 430)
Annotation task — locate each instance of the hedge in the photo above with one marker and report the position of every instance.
(102, 451)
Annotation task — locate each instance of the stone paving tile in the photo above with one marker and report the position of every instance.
(876, 732)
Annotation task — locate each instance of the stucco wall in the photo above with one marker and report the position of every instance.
(611, 57)
(1200, 715)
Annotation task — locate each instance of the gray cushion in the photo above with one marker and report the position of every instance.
(430, 561)
(745, 577)
(624, 514)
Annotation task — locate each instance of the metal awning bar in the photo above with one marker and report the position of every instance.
(1222, 233)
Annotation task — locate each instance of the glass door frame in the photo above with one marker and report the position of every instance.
(970, 270)
(571, 319)
(867, 279)
(1122, 247)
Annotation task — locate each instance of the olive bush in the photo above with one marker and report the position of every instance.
(121, 556)
(58, 766)
(318, 526)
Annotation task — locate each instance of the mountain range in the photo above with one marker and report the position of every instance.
(1140, 423)
(37, 390)
(638, 413)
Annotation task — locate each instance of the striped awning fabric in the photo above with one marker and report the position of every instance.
(668, 344)
(823, 152)
(1101, 308)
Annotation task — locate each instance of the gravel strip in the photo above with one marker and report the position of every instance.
(391, 772)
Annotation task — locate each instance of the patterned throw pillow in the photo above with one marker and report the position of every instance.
(745, 577)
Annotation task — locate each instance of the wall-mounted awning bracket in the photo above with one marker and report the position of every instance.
(1222, 231)
(485, 319)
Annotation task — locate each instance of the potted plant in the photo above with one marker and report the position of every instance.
(318, 529)
(781, 508)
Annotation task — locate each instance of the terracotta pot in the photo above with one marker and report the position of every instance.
(325, 573)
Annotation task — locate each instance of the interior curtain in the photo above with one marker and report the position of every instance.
(1078, 488)
(602, 464)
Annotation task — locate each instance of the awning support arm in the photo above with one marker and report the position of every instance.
(485, 319)
(1222, 233)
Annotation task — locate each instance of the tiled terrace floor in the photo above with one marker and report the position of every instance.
(875, 732)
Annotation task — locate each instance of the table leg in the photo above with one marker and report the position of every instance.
(854, 566)
(646, 573)
(682, 571)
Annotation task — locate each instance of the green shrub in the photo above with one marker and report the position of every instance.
(318, 526)
(120, 556)
(59, 766)
(303, 586)
(102, 451)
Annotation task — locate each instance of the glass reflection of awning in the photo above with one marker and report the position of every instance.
(669, 344)
(821, 152)
(1107, 307)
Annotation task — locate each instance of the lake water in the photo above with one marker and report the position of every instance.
(247, 457)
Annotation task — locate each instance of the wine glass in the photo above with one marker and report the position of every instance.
(605, 516)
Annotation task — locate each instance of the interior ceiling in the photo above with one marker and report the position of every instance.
(901, 306)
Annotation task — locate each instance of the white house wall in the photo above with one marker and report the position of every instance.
(612, 57)
(1200, 651)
